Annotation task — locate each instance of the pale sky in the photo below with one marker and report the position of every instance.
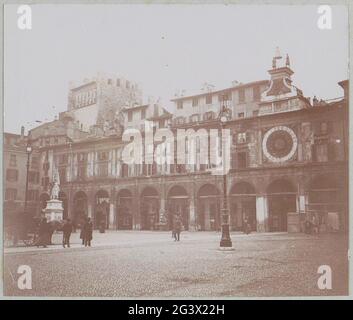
(165, 48)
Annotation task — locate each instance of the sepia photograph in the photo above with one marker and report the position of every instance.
(175, 151)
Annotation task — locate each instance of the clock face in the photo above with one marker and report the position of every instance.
(224, 119)
(279, 144)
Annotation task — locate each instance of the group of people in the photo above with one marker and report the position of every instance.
(311, 225)
(86, 234)
(45, 231)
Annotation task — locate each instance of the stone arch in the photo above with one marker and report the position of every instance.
(149, 191)
(208, 189)
(124, 209)
(178, 204)
(80, 206)
(149, 208)
(242, 187)
(325, 193)
(177, 191)
(242, 205)
(208, 207)
(101, 209)
(280, 186)
(282, 198)
(173, 187)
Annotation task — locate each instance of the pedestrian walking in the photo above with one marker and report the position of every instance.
(246, 225)
(88, 232)
(67, 229)
(43, 233)
(82, 232)
(177, 228)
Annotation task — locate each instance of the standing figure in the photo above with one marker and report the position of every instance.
(55, 191)
(43, 233)
(54, 194)
(88, 231)
(177, 228)
(246, 225)
(315, 225)
(67, 229)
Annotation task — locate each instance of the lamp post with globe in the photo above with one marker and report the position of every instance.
(28, 151)
(223, 117)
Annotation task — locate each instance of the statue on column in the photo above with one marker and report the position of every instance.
(287, 61)
(54, 209)
(56, 186)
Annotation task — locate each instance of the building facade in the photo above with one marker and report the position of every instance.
(15, 176)
(288, 155)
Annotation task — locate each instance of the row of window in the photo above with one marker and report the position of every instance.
(13, 176)
(238, 138)
(86, 98)
(13, 161)
(11, 194)
(321, 152)
(49, 140)
(130, 113)
(240, 160)
(118, 83)
(224, 97)
(207, 116)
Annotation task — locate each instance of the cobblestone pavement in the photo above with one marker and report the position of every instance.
(150, 264)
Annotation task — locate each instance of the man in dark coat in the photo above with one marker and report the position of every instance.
(43, 233)
(246, 225)
(177, 227)
(87, 232)
(67, 229)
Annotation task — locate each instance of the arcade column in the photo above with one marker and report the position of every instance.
(90, 210)
(111, 218)
(261, 213)
(91, 204)
(302, 204)
(163, 219)
(302, 201)
(136, 212)
(111, 215)
(192, 215)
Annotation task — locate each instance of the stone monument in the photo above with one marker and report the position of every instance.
(54, 209)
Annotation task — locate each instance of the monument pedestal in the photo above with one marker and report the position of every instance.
(54, 210)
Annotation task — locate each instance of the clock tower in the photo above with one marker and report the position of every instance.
(281, 95)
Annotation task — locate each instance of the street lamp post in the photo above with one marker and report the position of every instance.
(25, 216)
(28, 151)
(226, 241)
